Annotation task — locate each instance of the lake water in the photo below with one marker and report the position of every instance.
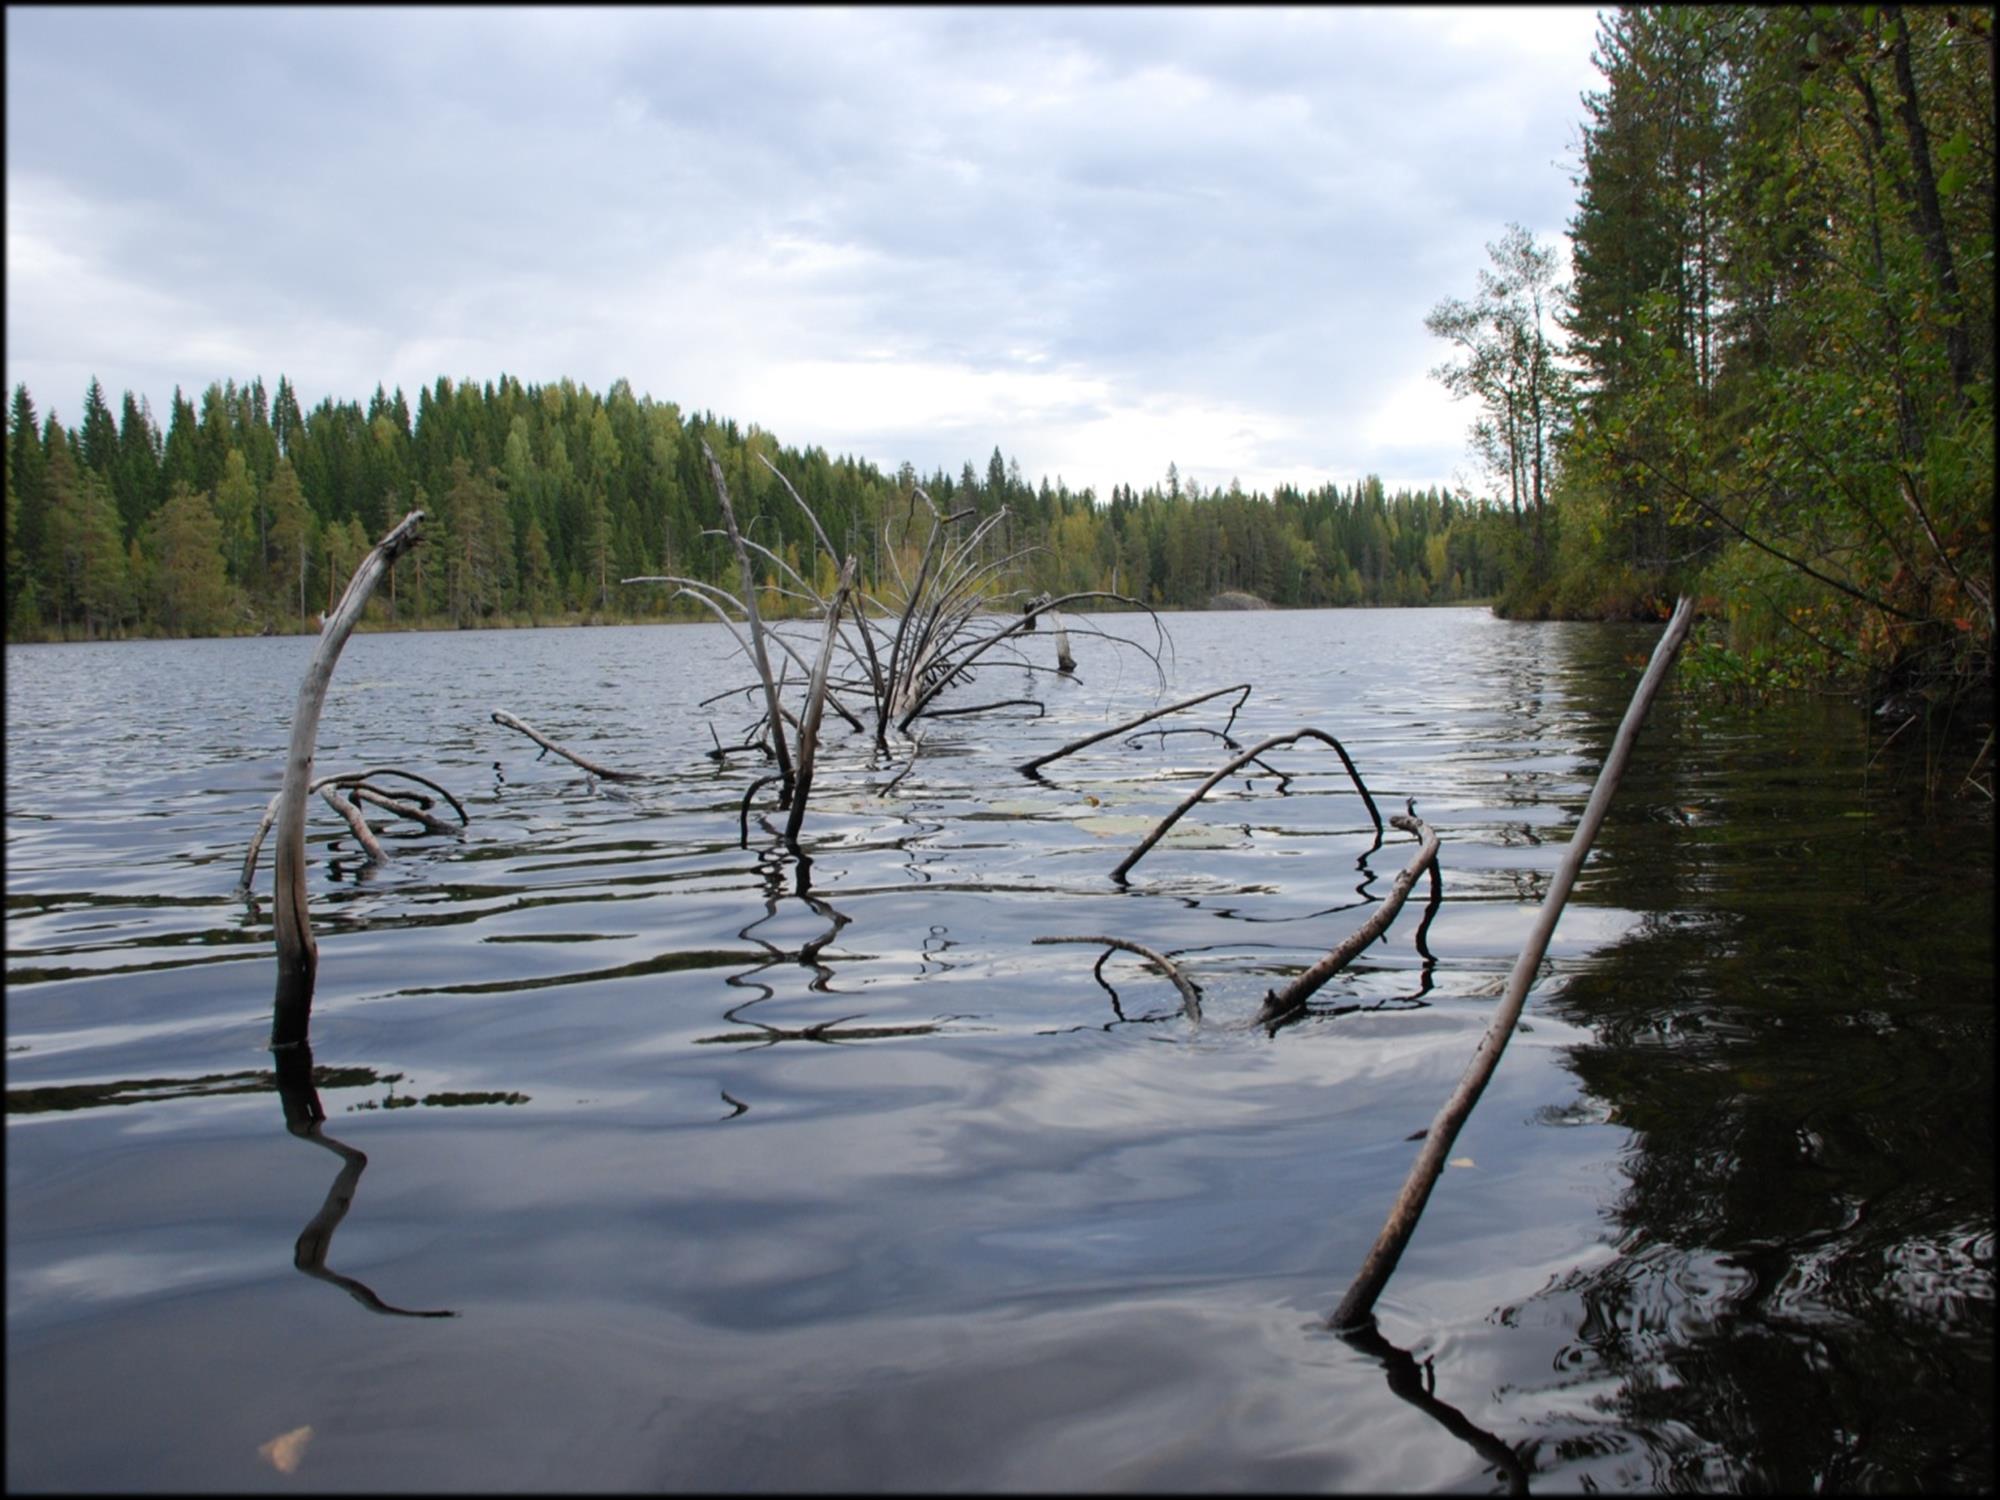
(729, 1187)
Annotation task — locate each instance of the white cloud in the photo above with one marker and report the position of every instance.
(1101, 240)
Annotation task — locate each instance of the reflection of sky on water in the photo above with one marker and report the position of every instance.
(993, 1237)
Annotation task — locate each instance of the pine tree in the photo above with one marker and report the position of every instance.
(191, 589)
(290, 537)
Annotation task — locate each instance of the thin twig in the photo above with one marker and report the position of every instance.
(1190, 992)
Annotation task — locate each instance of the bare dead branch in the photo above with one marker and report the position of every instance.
(1030, 767)
(749, 603)
(1190, 992)
(508, 721)
(363, 834)
(1279, 1004)
(346, 778)
(403, 807)
(298, 953)
(1357, 1306)
(808, 752)
(1036, 704)
(1160, 830)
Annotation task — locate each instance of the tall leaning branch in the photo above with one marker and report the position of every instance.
(815, 701)
(758, 655)
(1357, 1307)
(298, 953)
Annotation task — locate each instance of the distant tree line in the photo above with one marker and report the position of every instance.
(248, 514)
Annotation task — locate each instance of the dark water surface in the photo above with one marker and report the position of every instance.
(730, 1188)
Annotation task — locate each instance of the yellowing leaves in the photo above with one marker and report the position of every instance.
(287, 1450)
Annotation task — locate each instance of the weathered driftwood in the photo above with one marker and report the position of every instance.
(1190, 991)
(1279, 1004)
(1356, 1307)
(404, 807)
(407, 805)
(509, 721)
(298, 953)
(363, 834)
(1160, 829)
(1241, 689)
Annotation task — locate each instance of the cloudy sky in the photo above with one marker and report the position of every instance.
(1100, 240)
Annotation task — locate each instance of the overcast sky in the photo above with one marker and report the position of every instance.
(1101, 240)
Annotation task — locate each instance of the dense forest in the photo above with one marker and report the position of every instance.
(248, 513)
(1776, 382)
(1769, 380)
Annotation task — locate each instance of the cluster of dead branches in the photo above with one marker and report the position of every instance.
(882, 661)
(893, 658)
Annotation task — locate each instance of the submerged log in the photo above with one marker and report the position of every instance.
(1357, 1306)
(298, 953)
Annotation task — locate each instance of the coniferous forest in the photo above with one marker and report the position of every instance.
(1768, 380)
(248, 513)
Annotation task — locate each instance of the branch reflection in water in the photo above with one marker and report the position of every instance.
(1417, 1384)
(807, 955)
(303, 1118)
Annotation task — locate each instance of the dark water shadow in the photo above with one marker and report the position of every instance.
(304, 1117)
(1798, 1036)
(807, 955)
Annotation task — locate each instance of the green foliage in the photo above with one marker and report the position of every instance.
(1784, 311)
(542, 499)
(191, 593)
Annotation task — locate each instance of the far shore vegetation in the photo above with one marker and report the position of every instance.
(1768, 382)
